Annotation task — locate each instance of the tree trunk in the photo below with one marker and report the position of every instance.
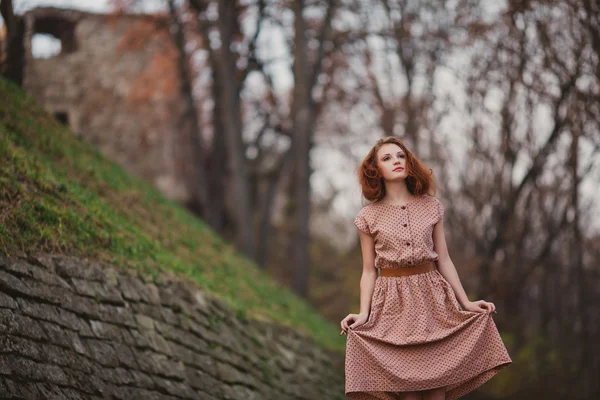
(233, 129)
(14, 64)
(190, 114)
(217, 171)
(301, 149)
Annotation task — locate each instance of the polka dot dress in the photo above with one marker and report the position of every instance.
(417, 336)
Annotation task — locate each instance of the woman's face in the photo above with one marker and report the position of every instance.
(391, 161)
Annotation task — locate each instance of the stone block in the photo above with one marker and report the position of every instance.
(30, 370)
(66, 358)
(104, 330)
(7, 301)
(146, 309)
(102, 352)
(45, 293)
(125, 355)
(198, 379)
(50, 391)
(117, 315)
(13, 323)
(169, 316)
(17, 266)
(118, 376)
(50, 279)
(43, 260)
(133, 289)
(238, 392)
(144, 323)
(230, 374)
(141, 379)
(74, 268)
(18, 345)
(19, 390)
(178, 389)
(12, 285)
(159, 364)
(182, 337)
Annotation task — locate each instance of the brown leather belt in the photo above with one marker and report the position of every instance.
(404, 271)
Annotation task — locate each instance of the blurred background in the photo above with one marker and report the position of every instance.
(254, 114)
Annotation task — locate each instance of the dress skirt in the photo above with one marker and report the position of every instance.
(418, 337)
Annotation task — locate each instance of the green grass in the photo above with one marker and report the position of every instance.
(59, 194)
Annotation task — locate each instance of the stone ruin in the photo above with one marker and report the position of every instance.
(115, 84)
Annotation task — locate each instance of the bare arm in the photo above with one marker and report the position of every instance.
(445, 264)
(448, 271)
(367, 284)
(369, 273)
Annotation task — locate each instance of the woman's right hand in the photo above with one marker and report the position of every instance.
(355, 320)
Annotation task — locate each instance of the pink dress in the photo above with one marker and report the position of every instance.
(417, 336)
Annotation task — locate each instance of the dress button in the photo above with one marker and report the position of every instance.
(403, 207)
(408, 243)
(404, 225)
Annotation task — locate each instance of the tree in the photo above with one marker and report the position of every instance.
(13, 63)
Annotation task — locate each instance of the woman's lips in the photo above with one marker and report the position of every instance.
(398, 169)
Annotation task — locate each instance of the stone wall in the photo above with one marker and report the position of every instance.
(73, 329)
(115, 83)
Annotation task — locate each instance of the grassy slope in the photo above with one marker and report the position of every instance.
(59, 194)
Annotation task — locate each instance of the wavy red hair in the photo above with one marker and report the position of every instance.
(419, 180)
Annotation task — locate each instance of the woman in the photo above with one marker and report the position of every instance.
(417, 335)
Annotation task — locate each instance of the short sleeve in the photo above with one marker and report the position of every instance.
(440, 210)
(361, 222)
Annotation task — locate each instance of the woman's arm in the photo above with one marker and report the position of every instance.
(369, 273)
(367, 284)
(448, 271)
(445, 264)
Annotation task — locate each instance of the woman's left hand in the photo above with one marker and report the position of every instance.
(480, 306)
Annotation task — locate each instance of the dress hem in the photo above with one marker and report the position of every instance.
(458, 389)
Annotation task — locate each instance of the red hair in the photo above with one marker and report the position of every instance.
(419, 180)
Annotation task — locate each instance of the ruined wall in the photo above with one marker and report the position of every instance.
(75, 329)
(115, 84)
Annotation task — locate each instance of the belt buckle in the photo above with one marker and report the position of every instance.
(378, 272)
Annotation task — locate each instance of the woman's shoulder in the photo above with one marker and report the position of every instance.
(435, 205)
(431, 199)
(366, 209)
